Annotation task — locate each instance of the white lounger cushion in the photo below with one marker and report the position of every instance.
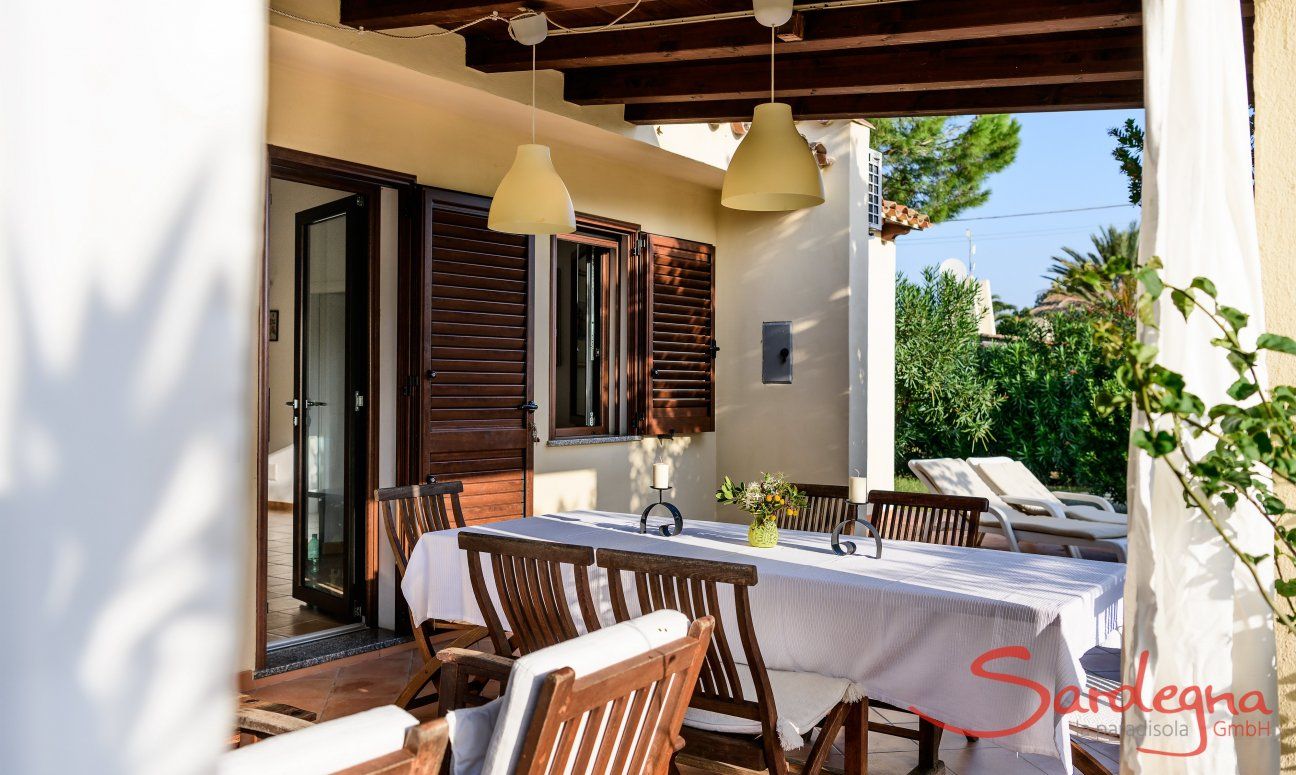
(802, 700)
(584, 655)
(1095, 514)
(952, 476)
(1011, 478)
(1068, 528)
(325, 747)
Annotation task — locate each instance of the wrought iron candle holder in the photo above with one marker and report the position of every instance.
(843, 548)
(666, 530)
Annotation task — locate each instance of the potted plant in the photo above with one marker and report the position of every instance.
(765, 499)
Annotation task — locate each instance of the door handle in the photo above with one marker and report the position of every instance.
(315, 403)
(529, 406)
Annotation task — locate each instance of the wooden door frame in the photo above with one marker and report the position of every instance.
(312, 169)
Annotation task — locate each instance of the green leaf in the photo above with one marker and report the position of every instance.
(1151, 281)
(1237, 319)
(1183, 302)
(1158, 445)
(1277, 343)
(1242, 389)
(1205, 285)
(1285, 587)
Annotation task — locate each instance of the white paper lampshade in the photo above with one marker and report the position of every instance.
(772, 13)
(532, 199)
(773, 168)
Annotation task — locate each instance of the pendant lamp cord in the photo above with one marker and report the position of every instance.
(771, 64)
(533, 79)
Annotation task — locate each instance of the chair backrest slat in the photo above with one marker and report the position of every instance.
(531, 589)
(826, 507)
(950, 520)
(623, 719)
(692, 587)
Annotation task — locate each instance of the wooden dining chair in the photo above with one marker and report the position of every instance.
(949, 520)
(531, 588)
(692, 587)
(826, 507)
(624, 718)
(407, 513)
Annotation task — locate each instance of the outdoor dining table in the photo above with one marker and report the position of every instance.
(906, 628)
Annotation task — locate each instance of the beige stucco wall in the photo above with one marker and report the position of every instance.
(1275, 178)
(819, 269)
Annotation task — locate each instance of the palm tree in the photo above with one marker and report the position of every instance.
(1114, 250)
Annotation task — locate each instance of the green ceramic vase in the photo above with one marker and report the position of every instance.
(763, 534)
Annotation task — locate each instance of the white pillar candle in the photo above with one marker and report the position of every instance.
(858, 489)
(661, 475)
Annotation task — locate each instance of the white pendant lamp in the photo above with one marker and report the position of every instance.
(773, 169)
(532, 199)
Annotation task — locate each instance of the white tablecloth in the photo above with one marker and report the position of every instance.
(906, 627)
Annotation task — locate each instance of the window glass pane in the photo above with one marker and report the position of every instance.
(579, 324)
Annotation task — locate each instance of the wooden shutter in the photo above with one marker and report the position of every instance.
(679, 373)
(476, 357)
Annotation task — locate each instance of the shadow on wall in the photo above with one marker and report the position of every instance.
(124, 457)
(650, 450)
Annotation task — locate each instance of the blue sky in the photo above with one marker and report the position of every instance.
(1064, 162)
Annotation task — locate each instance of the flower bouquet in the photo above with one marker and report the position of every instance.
(765, 499)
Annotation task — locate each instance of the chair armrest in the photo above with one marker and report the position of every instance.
(260, 723)
(478, 663)
(458, 666)
(1048, 507)
(1084, 497)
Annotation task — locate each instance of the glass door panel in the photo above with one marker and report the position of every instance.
(328, 239)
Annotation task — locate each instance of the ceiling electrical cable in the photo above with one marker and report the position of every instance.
(1041, 212)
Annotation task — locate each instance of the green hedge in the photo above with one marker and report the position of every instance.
(1032, 395)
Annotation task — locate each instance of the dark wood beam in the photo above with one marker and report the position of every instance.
(859, 27)
(391, 14)
(954, 102)
(1052, 59)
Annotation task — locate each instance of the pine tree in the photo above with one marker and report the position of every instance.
(939, 164)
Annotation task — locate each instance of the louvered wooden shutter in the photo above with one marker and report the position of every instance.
(679, 373)
(476, 326)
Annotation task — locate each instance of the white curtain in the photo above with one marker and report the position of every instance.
(131, 148)
(1189, 604)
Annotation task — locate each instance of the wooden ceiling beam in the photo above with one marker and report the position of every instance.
(393, 14)
(953, 102)
(858, 27)
(1040, 60)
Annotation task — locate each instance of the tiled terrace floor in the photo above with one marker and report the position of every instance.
(350, 686)
(286, 616)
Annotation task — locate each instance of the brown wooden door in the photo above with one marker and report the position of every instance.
(475, 403)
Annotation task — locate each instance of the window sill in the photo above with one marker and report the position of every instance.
(581, 441)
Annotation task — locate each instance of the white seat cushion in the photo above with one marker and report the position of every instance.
(1095, 514)
(323, 748)
(801, 699)
(470, 731)
(584, 655)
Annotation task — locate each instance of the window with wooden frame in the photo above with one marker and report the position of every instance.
(588, 388)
